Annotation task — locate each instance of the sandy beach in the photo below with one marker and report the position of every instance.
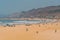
(46, 31)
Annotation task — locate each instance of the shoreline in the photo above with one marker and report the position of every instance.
(15, 22)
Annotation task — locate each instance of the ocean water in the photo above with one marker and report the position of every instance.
(18, 21)
(4, 22)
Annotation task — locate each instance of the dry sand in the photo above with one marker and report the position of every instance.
(49, 31)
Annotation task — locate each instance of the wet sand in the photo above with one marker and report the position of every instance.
(47, 31)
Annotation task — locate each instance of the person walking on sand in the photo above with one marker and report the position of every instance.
(55, 30)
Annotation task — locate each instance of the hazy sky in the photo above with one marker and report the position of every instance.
(11, 6)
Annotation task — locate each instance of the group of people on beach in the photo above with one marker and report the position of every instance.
(9, 25)
(26, 28)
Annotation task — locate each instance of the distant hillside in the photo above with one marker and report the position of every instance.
(46, 12)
